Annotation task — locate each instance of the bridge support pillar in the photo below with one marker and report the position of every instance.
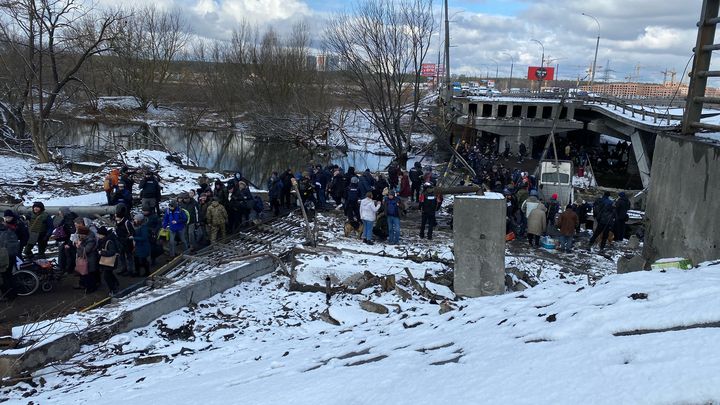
(479, 238)
(524, 111)
(641, 156)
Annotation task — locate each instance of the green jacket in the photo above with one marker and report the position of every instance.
(38, 222)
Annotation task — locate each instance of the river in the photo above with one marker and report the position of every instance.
(217, 149)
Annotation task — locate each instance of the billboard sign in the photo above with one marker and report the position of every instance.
(428, 69)
(541, 73)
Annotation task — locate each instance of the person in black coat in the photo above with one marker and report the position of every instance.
(107, 246)
(275, 189)
(61, 234)
(622, 206)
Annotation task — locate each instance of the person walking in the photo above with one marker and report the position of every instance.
(604, 214)
(38, 230)
(622, 206)
(275, 190)
(142, 246)
(352, 200)
(393, 206)
(537, 223)
(125, 232)
(368, 214)
(150, 191)
(429, 205)
(174, 221)
(415, 181)
(107, 249)
(192, 209)
(9, 248)
(86, 245)
(568, 223)
(216, 219)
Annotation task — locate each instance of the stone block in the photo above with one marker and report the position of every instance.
(631, 264)
(479, 245)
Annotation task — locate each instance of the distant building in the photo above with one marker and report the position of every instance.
(311, 62)
(646, 90)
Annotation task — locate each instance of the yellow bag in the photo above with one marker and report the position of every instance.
(164, 234)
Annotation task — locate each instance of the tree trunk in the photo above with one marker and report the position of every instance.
(402, 160)
(39, 142)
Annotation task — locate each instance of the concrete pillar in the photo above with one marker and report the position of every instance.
(570, 111)
(494, 113)
(524, 111)
(643, 160)
(479, 245)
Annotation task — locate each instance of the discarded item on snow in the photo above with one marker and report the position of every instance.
(672, 263)
(548, 243)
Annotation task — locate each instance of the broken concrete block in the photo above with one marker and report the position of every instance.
(374, 307)
(633, 242)
(630, 264)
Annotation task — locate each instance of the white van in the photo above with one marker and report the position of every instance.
(557, 178)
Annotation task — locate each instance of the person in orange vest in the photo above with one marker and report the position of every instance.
(110, 184)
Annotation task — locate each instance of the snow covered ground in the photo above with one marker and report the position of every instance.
(27, 181)
(557, 343)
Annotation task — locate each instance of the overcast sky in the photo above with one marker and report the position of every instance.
(639, 38)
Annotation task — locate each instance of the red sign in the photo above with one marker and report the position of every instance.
(428, 69)
(541, 73)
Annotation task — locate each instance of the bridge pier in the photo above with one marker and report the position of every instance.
(641, 157)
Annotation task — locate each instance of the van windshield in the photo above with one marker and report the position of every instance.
(555, 177)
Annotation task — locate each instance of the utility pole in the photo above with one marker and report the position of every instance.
(447, 52)
(597, 45)
(512, 63)
(542, 64)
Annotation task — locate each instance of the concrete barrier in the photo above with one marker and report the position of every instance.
(134, 315)
(681, 214)
(479, 245)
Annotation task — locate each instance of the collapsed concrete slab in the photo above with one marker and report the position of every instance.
(479, 245)
(59, 340)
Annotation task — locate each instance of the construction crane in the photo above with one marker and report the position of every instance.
(672, 74)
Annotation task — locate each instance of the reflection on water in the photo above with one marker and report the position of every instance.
(220, 149)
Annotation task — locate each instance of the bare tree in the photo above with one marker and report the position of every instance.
(383, 44)
(45, 43)
(146, 44)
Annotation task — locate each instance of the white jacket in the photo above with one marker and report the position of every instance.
(368, 209)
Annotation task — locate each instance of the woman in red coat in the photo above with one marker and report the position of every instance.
(405, 190)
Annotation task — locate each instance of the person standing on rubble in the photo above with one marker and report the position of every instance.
(429, 205)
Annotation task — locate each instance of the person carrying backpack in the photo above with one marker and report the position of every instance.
(110, 184)
(352, 200)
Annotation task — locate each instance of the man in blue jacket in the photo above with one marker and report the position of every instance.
(174, 220)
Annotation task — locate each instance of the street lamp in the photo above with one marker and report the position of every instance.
(542, 62)
(497, 70)
(597, 45)
(512, 64)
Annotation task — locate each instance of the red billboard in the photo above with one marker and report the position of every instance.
(541, 73)
(428, 69)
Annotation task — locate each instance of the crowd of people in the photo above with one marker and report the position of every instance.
(373, 204)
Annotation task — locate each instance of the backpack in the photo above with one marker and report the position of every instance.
(187, 215)
(353, 193)
(106, 183)
(259, 205)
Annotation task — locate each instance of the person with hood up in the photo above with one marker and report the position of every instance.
(368, 213)
(20, 229)
(537, 224)
(415, 181)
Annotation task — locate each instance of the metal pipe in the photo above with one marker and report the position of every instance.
(82, 211)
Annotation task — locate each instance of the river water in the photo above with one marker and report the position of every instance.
(218, 149)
